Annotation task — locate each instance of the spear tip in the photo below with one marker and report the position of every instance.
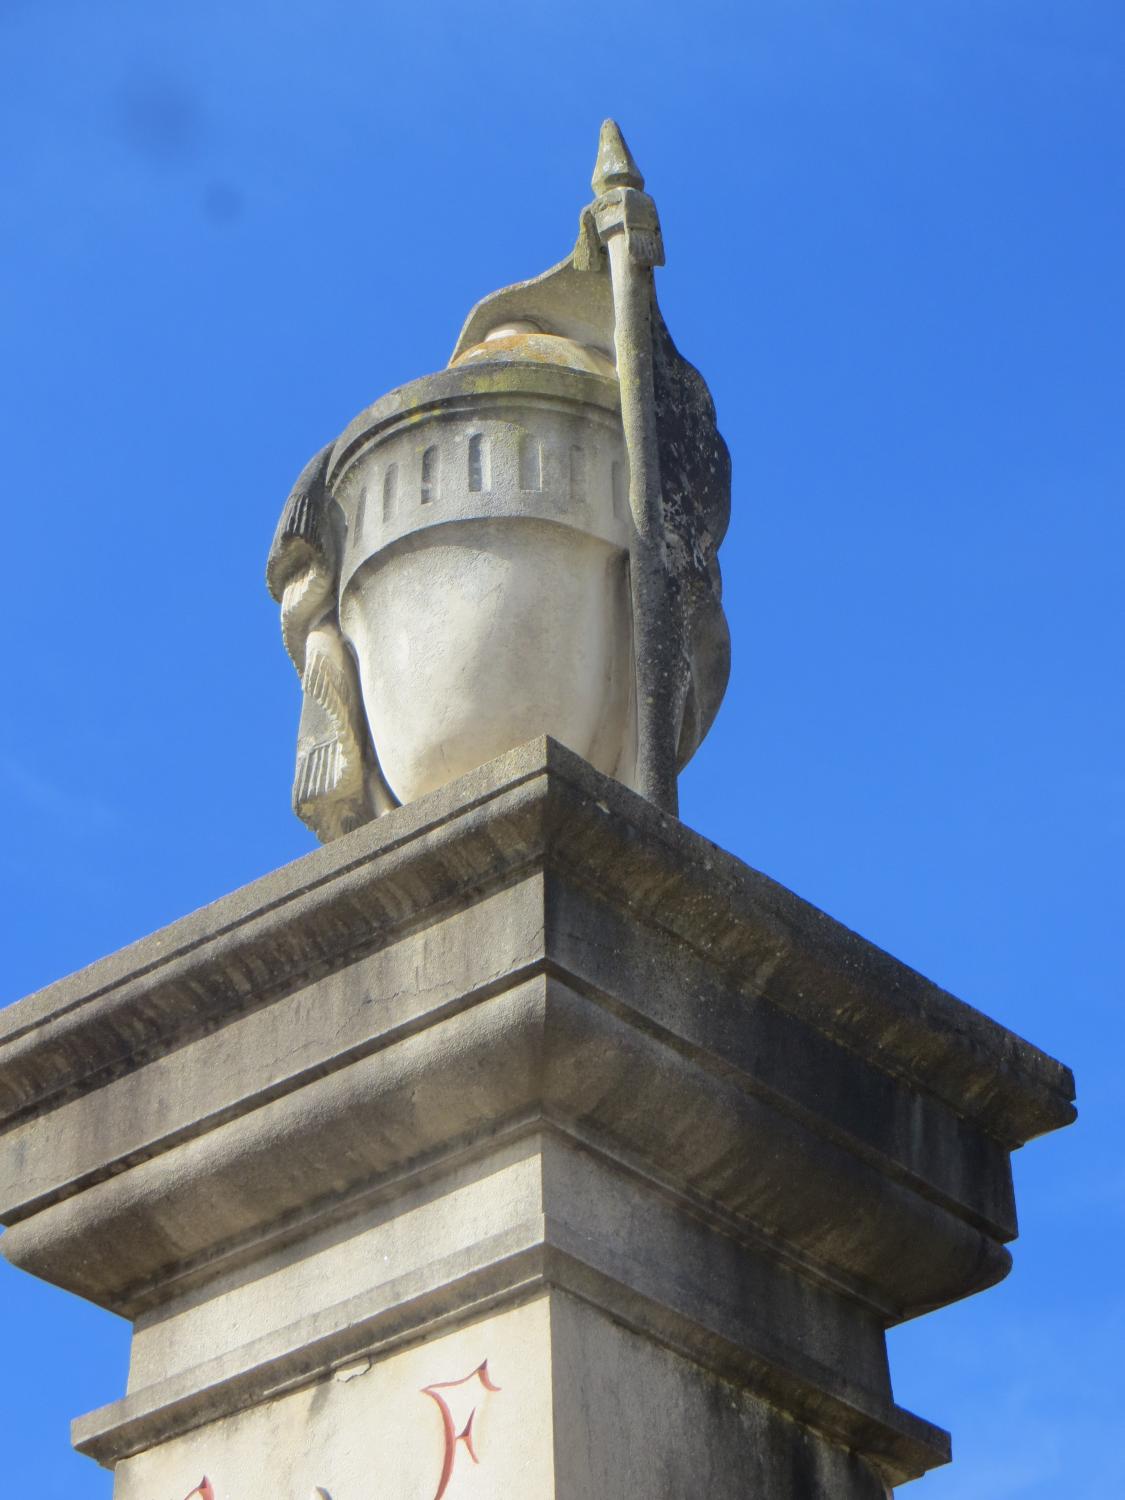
(615, 166)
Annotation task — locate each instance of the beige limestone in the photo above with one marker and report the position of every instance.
(369, 1429)
(526, 1040)
(564, 1404)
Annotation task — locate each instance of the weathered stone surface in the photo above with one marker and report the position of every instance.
(526, 1041)
(576, 1405)
(524, 544)
(496, 607)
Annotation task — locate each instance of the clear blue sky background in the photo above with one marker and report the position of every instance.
(895, 241)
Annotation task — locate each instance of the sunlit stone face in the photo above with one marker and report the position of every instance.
(476, 637)
(484, 586)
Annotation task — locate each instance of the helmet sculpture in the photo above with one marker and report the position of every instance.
(522, 544)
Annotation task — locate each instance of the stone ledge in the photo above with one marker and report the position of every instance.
(368, 1005)
(620, 1222)
(536, 1051)
(525, 1037)
(538, 802)
(540, 923)
(530, 1258)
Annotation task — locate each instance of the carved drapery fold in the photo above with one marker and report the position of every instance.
(336, 785)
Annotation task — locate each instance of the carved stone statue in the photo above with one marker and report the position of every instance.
(522, 544)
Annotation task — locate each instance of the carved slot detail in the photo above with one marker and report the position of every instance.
(390, 491)
(478, 464)
(578, 473)
(531, 463)
(429, 475)
(360, 513)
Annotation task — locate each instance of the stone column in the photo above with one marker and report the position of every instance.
(520, 1144)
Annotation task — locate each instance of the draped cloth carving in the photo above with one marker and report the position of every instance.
(337, 786)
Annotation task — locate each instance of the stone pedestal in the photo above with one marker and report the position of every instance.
(520, 1144)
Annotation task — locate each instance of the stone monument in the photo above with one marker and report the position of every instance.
(524, 544)
(520, 1142)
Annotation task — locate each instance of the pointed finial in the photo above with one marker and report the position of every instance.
(615, 166)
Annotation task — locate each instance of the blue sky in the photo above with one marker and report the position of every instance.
(894, 235)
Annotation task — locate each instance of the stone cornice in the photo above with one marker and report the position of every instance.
(538, 804)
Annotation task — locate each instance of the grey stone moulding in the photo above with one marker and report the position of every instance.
(649, 1077)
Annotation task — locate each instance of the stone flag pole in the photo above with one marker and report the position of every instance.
(520, 1143)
